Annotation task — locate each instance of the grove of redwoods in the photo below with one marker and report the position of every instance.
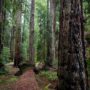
(49, 36)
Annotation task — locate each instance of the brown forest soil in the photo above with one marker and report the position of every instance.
(26, 82)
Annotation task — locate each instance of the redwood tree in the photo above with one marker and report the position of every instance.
(31, 36)
(72, 69)
(17, 28)
(53, 28)
(48, 61)
(1, 23)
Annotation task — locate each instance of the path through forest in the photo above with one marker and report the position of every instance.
(27, 81)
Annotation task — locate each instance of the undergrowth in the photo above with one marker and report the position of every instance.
(7, 79)
(49, 75)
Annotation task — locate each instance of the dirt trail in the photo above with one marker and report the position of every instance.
(27, 81)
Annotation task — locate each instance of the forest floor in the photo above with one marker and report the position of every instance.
(45, 80)
(28, 80)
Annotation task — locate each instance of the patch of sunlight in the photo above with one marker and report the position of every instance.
(47, 87)
(8, 79)
(13, 79)
(49, 75)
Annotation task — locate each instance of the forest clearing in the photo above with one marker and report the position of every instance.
(44, 44)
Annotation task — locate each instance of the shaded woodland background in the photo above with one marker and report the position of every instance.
(29, 36)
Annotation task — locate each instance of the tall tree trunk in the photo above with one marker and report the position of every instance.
(48, 40)
(1, 24)
(31, 37)
(71, 70)
(12, 34)
(53, 26)
(18, 58)
(12, 43)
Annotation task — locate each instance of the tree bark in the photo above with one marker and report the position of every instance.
(48, 40)
(31, 36)
(53, 27)
(1, 24)
(12, 43)
(71, 70)
(18, 57)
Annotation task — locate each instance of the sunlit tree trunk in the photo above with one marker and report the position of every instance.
(53, 27)
(31, 36)
(72, 70)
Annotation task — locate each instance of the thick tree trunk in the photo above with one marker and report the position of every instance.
(72, 70)
(18, 57)
(31, 37)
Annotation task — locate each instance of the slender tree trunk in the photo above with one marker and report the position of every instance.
(1, 24)
(12, 43)
(12, 35)
(2, 20)
(53, 26)
(31, 37)
(71, 70)
(48, 40)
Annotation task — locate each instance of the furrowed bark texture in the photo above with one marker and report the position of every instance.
(72, 70)
(18, 57)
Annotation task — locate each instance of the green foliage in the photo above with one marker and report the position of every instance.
(41, 13)
(49, 74)
(47, 87)
(88, 53)
(86, 7)
(3, 71)
(12, 79)
(6, 79)
(88, 67)
(88, 60)
(24, 51)
(5, 55)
